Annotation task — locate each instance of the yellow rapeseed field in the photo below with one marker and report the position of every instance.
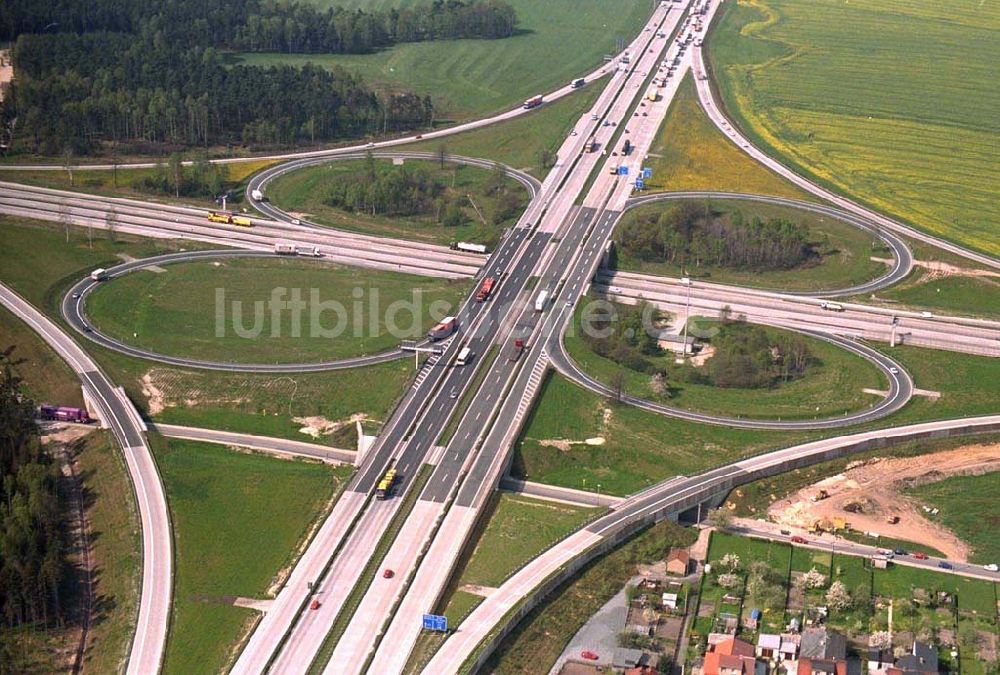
(689, 153)
(891, 102)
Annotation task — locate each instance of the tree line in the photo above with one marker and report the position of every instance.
(263, 25)
(32, 538)
(303, 28)
(687, 235)
(379, 189)
(63, 98)
(150, 75)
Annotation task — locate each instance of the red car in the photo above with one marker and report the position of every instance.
(589, 655)
(388, 574)
(314, 605)
(919, 555)
(799, 540)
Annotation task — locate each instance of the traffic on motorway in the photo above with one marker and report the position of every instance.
(384, 554)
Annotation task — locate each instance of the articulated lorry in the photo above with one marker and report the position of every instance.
(284, 248)
(486, 289)
(62, 413)
(467, 247)
(448, 325)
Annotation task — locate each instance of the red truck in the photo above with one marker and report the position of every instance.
(486, 289)
(443, 329)
(533, 102)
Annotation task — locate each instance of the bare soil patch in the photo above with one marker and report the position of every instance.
(939, 270)
(870, 491)
(317, 425)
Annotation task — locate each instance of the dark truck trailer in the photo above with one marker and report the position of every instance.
(63, 413)
(627, 148)
(579, 82)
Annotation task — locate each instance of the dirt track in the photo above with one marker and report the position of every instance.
(870, 491)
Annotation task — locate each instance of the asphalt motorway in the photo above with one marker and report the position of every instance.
(556, 200)
(286, 628)
(166, 221)
(118, 414)
(699, 298)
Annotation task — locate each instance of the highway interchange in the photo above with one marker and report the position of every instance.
(556, 246)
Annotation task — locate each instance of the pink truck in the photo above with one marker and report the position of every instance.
(63, 413)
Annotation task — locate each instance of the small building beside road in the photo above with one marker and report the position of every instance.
(678, 561)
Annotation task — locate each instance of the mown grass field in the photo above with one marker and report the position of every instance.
(848, 262)
(967, 383)
(46, 377)
(37, 262)
(558, 40)
(970, 507)
(641, 448)
(518, 142)
(690, 153)
(518, 530)
(892, 102)
(966, 295)
(128, 182)
(232, 536)
(638, 448)
(304, 191)
(176, 311)
(831, 386)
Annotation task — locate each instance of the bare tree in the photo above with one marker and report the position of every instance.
(618, 386)
(658, 385)
(67, 156)
(64, 218)
(175, 167)
(499, 178)
(111, 222)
